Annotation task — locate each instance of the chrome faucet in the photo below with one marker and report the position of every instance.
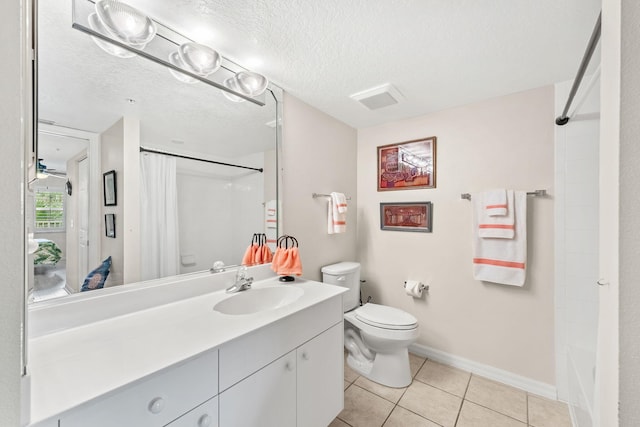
(242, 282)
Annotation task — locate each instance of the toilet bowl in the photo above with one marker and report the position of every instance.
(376, 336)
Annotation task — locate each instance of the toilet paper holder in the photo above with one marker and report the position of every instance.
(421, 287)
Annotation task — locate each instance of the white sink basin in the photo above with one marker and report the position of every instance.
(260, 299)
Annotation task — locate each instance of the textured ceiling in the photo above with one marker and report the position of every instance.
(438, 53)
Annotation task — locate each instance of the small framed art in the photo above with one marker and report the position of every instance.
(408, 216)
(109, 181)
(110, 225)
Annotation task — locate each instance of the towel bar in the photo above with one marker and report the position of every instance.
(540, 193)
(316, 195)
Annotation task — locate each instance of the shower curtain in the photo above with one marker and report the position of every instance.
(159, 217)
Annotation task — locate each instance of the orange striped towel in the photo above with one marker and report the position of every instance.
(496, 227)
(336, 220)
(502, 260)
(495, 202)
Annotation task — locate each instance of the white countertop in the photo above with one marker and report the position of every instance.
(71, 366)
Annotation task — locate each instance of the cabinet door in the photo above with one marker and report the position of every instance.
(205, 415)
(321, 378)
(265, 399)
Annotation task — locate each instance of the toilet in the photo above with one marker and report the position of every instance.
(376, 336)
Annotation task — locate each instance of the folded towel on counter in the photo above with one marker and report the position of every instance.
(497, 227)
(336, 220)
(501, 260)
(495, 202)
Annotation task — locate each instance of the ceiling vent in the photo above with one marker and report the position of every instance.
(378, 97)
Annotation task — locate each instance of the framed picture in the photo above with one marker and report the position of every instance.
(110, 225)
(407, 165)
(409, 216)
(109, 181)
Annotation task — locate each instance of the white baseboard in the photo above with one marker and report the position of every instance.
(505, 377)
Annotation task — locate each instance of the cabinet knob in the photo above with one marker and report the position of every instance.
(289, 366)
(204, 421)
(156, 405)
(305, 355)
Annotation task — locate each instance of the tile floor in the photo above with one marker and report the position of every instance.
(442, 396)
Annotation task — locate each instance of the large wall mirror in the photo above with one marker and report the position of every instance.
(97, 198)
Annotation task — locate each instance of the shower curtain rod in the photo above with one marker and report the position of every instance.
(563, 119)
(166, 153)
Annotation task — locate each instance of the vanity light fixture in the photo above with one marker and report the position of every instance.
(125, 32)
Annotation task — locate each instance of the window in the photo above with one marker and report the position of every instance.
(49, 210)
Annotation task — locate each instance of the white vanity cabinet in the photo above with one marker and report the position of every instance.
(280, 368)
(155, 401)
(304, 387)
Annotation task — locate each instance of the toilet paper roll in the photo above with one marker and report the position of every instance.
(413, 288)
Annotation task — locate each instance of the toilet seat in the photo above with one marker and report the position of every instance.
(382, 316)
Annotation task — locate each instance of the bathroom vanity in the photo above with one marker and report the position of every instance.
(268, 356)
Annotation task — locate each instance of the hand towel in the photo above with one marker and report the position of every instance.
(336, 221)
(495, 202)
(501, 260)
(497, 227)
(340, 201)
(276, 260)
(249, 255)
(291, 264)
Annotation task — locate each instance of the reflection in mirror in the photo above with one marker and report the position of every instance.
(173, 215)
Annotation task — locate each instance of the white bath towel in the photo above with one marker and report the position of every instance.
(501, 260)
(495, 202)
(336, 220)
(496, 227)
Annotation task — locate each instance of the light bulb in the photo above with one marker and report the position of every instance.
(232, 83)
(200, 59)
(250, 83)
(174, 59)
(126, 23)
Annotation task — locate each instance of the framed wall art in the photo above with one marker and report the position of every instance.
(110, 225)
(407, 165)
(408, 216)
(109, 182)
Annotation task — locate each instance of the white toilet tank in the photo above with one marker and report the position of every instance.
(345, 274)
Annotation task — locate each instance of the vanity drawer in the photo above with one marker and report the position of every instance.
(154, 401)
(247, 354)
(205, 415)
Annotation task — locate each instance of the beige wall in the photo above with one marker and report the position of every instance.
(503, 142)
(111, 157)
(319, 156)
(12, 258)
